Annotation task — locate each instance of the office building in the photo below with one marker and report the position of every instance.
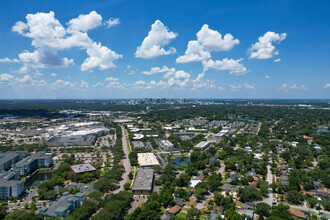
(202, 145)
(166, 144)
(144, 181)
(82, 168)
(147, 160)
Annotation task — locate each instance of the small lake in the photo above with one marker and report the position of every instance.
(39, 178)
(181, 162)
(323, 130)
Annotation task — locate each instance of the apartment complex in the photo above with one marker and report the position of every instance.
(31, 163)
(64, 206)
(8, 158)
(10, 185)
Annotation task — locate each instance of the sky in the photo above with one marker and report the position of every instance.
(164, 49)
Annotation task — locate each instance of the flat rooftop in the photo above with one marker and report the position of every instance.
(82, 168)
(166, 143)
(202, 144)
(138, 144)
(147, 159)
(144, 179)
(74, 140)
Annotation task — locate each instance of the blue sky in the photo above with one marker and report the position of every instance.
(171, 49)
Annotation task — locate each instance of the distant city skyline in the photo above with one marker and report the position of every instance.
(164, 49)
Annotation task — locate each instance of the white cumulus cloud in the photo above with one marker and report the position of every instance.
(49, 36)
(112, 22)
(235, 87)
(85, 22)
(234, 67)
(83, 84)
(7, 60)
(28, 81)
(60, 84)
(285, 87)
(327, 85)
(180, 74)
(111, 79)
(264, 48)
(153, 45)
(194, 52)
(248, 86)
(5, 77)
(100, 57)
(155, 70)
(208, 40)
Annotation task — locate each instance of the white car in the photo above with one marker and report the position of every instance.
(85, 187)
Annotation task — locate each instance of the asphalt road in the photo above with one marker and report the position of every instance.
(126, 163)
(270, 198)
(308, 209)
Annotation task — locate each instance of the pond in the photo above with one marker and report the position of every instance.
(39, 178)
(243, 119)
(323, 130)
(181, 162)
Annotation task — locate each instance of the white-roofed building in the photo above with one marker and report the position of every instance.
(138, 137)
(147, 160)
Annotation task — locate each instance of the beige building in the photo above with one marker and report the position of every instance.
(147, 160)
